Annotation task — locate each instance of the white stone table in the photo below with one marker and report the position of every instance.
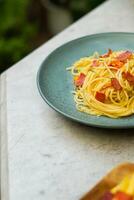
(45, 156)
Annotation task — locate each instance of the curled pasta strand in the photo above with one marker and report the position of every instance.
(99, 72)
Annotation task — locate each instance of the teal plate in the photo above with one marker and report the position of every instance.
(55, 83)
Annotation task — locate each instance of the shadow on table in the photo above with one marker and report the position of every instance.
(101, 134)
(98, 130)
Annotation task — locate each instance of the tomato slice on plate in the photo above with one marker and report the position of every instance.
(129, 77)
(124, 56)
(100, 97)
(116, 63)
(115, 83)
(80, 80)
(107, 54)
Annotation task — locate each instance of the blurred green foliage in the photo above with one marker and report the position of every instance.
(15, 31)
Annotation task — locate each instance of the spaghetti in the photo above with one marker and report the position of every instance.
(104, 84)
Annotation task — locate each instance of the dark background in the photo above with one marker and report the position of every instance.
(26, 24)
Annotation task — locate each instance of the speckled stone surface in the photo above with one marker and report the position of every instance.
(48, 156)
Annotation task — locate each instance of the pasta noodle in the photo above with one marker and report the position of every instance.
(104, 84)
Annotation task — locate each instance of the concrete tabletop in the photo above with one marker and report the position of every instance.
(45, 156)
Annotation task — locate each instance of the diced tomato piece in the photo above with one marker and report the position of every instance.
(122, 196)
(95, 63)
(100, 97)
(124, 56)
(115, 83)
(107, 196)
(80, 80)
(116, 63)
(107, 54)
(129, 77)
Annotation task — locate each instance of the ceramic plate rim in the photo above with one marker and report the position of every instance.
(119, 126)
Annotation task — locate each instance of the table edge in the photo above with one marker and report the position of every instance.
(4, 191)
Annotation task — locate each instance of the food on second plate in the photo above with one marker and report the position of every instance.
(118, 184)
(122, 191)
(104, 84)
